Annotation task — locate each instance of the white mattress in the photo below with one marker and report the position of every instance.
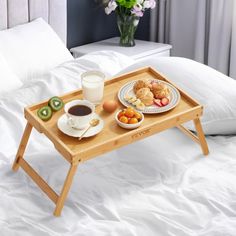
(161, 185)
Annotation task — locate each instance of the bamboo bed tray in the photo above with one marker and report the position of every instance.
(112, 136)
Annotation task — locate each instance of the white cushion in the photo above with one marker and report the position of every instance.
(109, 62)
(8, 80)
(32, 49)
(214, 90)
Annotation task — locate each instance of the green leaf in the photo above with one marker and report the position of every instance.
(126, 3)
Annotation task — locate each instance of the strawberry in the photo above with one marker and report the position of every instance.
(165, 101)
(158, 102)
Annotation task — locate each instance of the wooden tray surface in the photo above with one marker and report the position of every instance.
(112, 136)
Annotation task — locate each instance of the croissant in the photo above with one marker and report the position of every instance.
(160, 90)
(140, 84)
(145, 95)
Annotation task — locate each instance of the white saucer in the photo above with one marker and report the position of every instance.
(66, 129)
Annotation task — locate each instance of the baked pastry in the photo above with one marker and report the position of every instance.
(140, 84)
(160, 90)
(146, 96)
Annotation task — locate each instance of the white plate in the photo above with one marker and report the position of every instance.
(66, 129)
(154, 109)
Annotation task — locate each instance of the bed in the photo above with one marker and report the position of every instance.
(146, 188)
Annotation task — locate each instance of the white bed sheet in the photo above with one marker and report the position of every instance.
(161, 185)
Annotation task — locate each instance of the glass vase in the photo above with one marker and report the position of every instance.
(127, 25)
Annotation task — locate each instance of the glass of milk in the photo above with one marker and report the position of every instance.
(93, 86)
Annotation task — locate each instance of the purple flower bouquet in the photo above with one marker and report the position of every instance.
(128, 15)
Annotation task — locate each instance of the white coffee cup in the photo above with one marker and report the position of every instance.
(75, 120)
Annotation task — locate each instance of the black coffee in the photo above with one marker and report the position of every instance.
(80, 110)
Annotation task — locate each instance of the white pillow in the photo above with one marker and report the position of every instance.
(8, 80)
(214, 90)
(32, 49)
(109, 62)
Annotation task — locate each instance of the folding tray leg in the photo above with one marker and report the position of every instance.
(22, 146)
(19, 161)
(57, 199)
(65, 189)
(201, 136)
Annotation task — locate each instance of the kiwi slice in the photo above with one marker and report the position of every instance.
(56, 103)
(45, 113)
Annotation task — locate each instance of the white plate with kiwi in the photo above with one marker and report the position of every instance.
(127, 91)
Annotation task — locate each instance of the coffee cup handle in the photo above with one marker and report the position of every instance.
(70, 122)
